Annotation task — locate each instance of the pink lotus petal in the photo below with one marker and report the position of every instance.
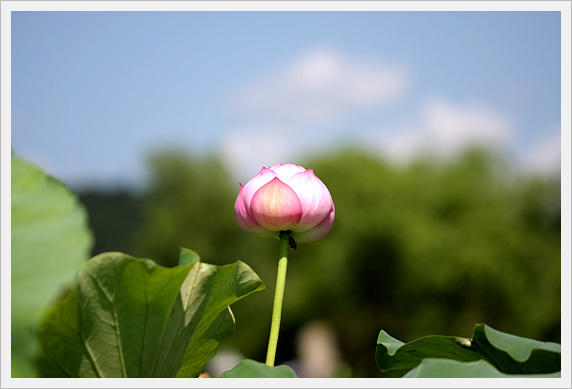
(285, 171)
(244, 220)
(318, 232)
(314, 196)
(263, 177)
(275, 206)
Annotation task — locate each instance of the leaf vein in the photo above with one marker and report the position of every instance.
(143, 336)
(192, 288)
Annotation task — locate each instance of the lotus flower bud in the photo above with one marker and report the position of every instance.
(285, 197)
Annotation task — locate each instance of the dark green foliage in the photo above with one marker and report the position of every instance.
(115, 215)
(191, 201)
(428, 247)
(445, 246)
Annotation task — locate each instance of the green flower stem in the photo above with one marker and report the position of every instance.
(278, 297)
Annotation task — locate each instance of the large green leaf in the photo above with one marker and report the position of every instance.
(50, 242)
(439, 367)
(391, 354)
(507, 353)
(129, 317)
(252, 369)
(516, 355)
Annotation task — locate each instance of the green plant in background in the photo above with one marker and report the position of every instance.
(432, 247)
(492, 245)
(490, 236)
(190, 202)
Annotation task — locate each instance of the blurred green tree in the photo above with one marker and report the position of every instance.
(433, 248)
(115, 216)
(189, 204)
(430, 247)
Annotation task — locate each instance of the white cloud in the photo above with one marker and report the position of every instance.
(296, 109)
(302, 108)
(453, 126)
(320, 87)
(445, 128)
(246, 150)
(439, 127)
(544, 154)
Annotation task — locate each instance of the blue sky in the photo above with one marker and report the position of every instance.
(93, 93)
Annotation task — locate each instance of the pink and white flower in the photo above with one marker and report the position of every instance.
(285, 197)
